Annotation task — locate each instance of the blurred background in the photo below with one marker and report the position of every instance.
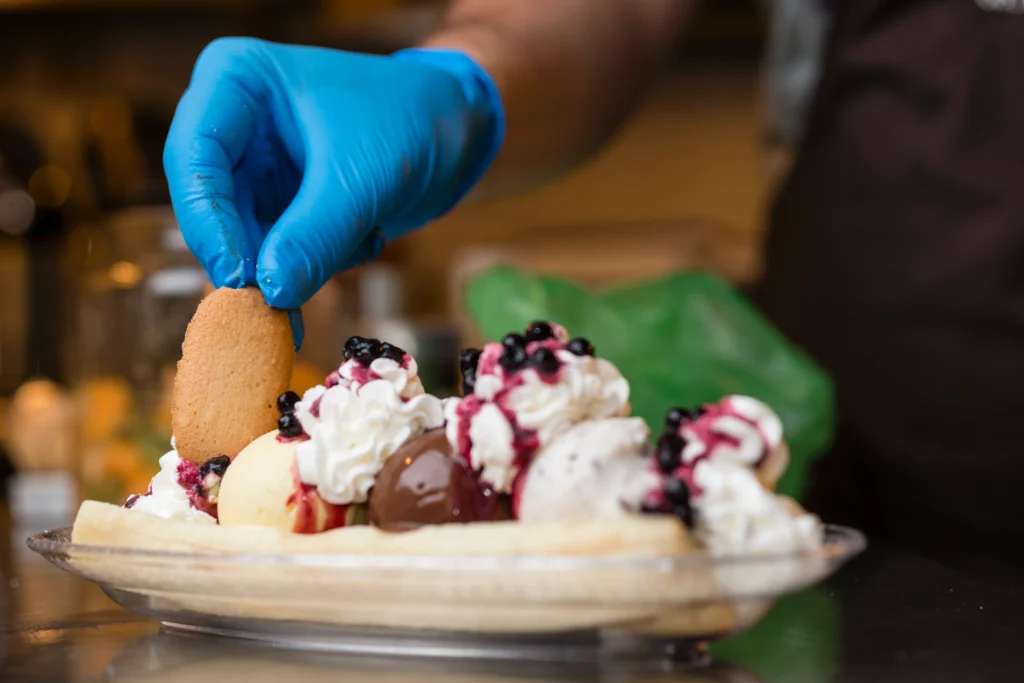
(96, 286)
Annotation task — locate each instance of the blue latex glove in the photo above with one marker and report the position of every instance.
(288, 164)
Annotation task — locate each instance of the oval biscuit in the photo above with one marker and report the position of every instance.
(236, 359)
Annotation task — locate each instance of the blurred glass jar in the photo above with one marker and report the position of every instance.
(138, 287)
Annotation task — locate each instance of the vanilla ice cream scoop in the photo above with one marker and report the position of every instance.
(597, 469)
(261, 488)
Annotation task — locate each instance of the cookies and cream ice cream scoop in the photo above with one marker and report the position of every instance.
(597, 469)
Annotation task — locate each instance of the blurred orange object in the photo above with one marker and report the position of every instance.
(104, 406)
(121, 460)
(305, 376)
(40, 426)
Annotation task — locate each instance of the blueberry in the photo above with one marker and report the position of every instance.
(286, 402)
(352, 344)
(670, 448)
(650, 509)
(545, 360)
(581, 347)
(684, 513)
(368, 352)
(539, 331)
(392, 352)
(513, 358)
(513, 340)
(675, 417)
(289, 426)
(218, 466)
(363, 350)
(469, 359)
(677, 492)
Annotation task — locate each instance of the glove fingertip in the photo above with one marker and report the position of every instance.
(298, 327)
(280, 288)
(224, 272)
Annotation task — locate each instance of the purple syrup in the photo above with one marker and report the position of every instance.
(525, 442)
(551, 344)
(190, 479)
(656, 499)
(290, 439)
(305, 500)
(467, 409)
(362, 374)
(489, 357)
(701, 427)
(187, 475)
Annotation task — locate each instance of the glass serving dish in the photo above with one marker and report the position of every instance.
(570, 608)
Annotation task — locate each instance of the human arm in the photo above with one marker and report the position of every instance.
(287, 164)
(568, 72)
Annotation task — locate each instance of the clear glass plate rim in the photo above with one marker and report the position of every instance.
(841, 544)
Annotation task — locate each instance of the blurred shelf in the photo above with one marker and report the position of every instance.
(80, 5)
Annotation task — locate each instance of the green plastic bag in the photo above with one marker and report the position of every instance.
(683, 340)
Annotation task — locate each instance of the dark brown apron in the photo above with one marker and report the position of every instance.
(896, 257)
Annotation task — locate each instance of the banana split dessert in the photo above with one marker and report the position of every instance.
(538, 456)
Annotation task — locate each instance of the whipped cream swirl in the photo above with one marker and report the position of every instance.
(358, 421)
(734, 514)
(738, 429)
(510, 415)
(403, 377)
(167, 498)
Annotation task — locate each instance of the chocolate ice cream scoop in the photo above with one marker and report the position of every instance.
(424, 482)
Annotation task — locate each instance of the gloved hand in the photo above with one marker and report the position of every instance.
(288, 164)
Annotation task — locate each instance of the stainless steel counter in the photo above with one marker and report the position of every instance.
(890, 616)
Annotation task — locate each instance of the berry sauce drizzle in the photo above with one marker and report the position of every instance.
(358, 371)
(692, 436)
(190, 479)
(525, 442)
(306, 502)
(539, 350)
(702, 429)
(656, 499)
(489, 359)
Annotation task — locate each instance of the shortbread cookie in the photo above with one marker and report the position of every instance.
(236, 360)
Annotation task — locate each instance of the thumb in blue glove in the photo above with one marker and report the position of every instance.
(288, 164)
